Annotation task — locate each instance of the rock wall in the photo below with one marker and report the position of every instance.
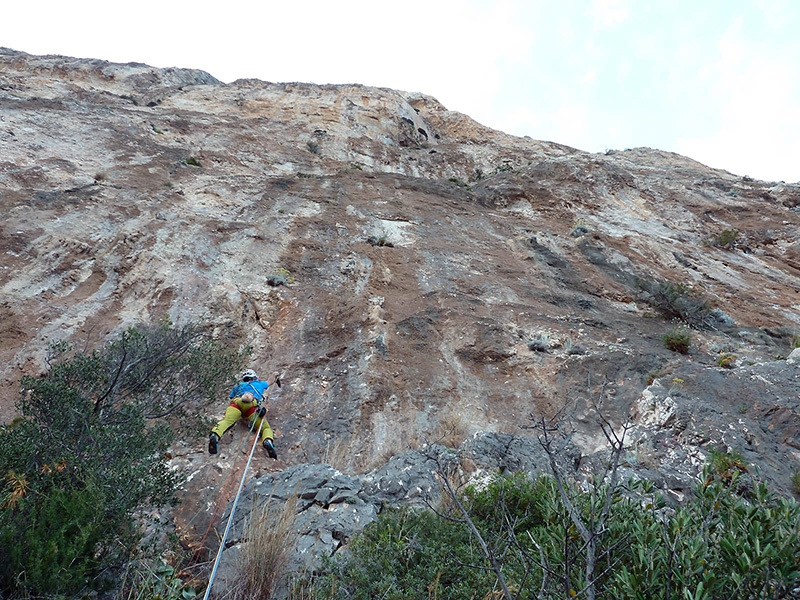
(417, 277)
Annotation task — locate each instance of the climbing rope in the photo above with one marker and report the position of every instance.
(230, 517)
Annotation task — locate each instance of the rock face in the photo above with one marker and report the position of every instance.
(416, 276)
(329, 507)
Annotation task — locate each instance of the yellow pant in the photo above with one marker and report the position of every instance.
(235, 411)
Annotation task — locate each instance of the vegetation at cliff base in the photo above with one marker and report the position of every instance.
(732, 539)
(89, 452)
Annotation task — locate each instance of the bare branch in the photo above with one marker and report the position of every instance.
(467, 520)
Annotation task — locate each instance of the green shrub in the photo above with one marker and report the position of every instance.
(154, 580)
(539, 343)
(726, 466)
(380, 240)
(458, 182)
(726, 239)
(89, 452)
(676, 301)
(726, 360)
(678, 339)
(405, 554)
(718, 544)
(280, 277)
(59, 540)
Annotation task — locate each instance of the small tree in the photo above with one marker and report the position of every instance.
(589, 511)
(89, 451)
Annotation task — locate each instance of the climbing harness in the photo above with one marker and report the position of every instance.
(230, 517)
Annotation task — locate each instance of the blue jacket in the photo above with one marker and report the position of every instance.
(256, 387)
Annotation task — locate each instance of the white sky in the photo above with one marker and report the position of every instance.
(715, 80)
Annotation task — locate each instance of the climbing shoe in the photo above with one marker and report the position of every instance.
(270, 449)
(213, 443)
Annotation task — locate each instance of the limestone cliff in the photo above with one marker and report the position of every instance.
(413, 273)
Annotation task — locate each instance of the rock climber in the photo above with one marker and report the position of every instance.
(248, 402)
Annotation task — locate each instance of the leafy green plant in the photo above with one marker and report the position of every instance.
(678, 339)
(725, 239)
(154, 580)
(89, 451)
(193, 162)
(796, 481)
(61, 544)
(717, 544)
(380, 240)
(407, 553)
(726, 360)
(280, 277)
(726, 466)
(539, 343)
(676, 301)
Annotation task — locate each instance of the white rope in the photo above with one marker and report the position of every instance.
(233, 510)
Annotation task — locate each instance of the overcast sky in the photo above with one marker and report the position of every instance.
(716, 80)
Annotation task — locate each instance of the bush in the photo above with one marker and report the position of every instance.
(718, 544)
(380, 240)
(407, 553)
(58, 538)
(579, 228)
(726, 466)
(280, 277)
(726, 360)
(726, 239)
(539, 343)
(155, 579)
(458, 182)
(89, 452)
(676, 301)
(678, 339)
